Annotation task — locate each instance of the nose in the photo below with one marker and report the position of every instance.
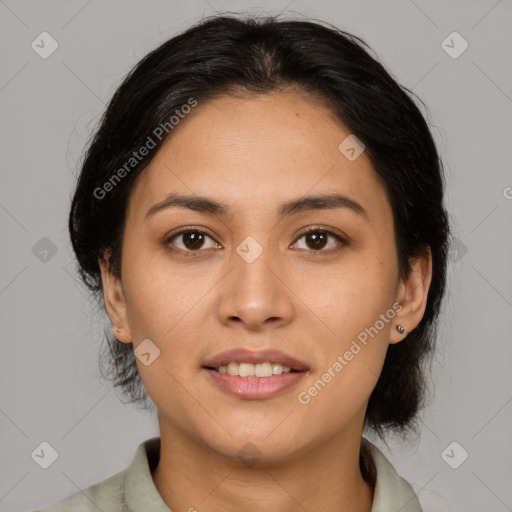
(255, 293)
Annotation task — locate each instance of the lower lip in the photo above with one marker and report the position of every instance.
(254, 388)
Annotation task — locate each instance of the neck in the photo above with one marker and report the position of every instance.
(321, 477)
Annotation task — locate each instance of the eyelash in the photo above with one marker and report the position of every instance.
(191, 229)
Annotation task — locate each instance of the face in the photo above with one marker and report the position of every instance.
(251, 277)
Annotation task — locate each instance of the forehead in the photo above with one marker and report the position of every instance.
(253, 152)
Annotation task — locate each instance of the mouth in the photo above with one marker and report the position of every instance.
(246, 363)
(254, 375)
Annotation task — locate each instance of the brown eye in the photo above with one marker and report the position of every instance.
(317, 239)
(192, 240)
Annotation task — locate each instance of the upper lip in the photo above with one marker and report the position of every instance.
(242, 355)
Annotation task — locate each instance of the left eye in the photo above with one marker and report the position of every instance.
(318, 239)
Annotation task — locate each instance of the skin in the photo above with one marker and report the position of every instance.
(253, 153)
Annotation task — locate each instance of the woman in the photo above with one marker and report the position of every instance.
(261, 215)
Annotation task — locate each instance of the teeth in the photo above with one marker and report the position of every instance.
(277, 369)
(263, 370)
(266, 369)
(246, 370)
(233, 368)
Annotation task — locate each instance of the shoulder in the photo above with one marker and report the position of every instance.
(391, 491)
(132, 488)
(105, 495)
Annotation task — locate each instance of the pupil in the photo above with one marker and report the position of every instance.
(194, 239)
(317, 238)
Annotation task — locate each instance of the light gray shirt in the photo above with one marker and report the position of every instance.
(133, 489)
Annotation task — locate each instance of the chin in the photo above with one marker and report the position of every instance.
(254, 452)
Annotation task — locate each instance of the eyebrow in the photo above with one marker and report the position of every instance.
(210, 206)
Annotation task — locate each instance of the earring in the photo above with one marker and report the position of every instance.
(118, 329)
(400, 329)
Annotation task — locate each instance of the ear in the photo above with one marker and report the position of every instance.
(412, 295)
(115, 304)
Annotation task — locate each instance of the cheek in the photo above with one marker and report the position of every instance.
(165, 306)
(351, 297)
(160, 298)
(352, 361)
(355, 309)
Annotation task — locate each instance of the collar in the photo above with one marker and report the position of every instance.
(391, 492)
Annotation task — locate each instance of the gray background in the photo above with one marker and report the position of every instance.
(50, 385)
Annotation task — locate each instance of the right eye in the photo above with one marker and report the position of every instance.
(192, 240)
